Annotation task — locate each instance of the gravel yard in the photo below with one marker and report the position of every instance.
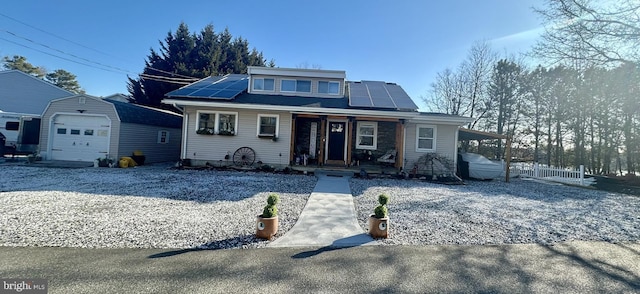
(495, 212)
(160, 207)
(147, 207)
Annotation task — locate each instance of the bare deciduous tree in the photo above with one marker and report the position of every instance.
(598, 31)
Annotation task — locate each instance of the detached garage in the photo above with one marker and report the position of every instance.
(85, 128)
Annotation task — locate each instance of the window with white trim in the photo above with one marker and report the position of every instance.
(206, 123)
(263, 84)
(220, 123)
(268, 125)
(325, 87)
(227, 123)
(367, 135)
(425, 138)
(303, 86)
(163, 137)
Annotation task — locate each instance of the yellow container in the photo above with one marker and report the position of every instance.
(126, 161)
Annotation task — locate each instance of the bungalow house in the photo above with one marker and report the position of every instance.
(284, 116)
(85, 128)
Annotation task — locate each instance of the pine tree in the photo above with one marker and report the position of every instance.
(184, 58)
(64, 80)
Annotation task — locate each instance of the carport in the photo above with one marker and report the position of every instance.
(475, 135)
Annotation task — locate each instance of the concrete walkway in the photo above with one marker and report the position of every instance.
(328, 218)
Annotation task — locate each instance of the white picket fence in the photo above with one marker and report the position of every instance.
(550, 173)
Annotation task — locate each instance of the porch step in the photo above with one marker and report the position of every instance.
(333, 173)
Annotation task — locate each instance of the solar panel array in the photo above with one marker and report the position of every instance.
(218, 87)
(375, 94)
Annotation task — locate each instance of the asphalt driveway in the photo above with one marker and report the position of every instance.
(574, 267)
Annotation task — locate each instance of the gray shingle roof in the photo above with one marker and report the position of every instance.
(136, 114)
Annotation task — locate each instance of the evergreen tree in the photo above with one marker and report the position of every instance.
(64, 80)
(58, 77)
(20, 63)
(185, 57)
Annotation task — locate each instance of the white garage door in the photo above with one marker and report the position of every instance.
(80, 137)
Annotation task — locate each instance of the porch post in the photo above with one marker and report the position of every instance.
(323, 139)
(292, 141)
(399, 144)
(349, 140)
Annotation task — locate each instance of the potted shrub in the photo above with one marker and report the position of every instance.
(267, 225)
(379, 221)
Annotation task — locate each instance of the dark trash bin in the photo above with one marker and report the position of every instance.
(139, 159)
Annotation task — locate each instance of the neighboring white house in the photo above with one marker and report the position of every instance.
(85, 128)
(287, 115)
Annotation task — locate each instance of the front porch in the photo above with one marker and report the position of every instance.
(347, 142)
(374, 170)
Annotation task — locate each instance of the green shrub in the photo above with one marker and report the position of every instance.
(381, 210)
(273, 199)
(271, 210)
(383, 199)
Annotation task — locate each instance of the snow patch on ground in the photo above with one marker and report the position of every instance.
(495, 212)
(143, 207)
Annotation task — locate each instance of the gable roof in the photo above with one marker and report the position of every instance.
(144, 115)
(24, 93)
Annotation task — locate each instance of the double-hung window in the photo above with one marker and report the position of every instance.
(425, 138)
(227, 124)
(268, 125)
(206, 123)
(221, 123)
(332, 88)
(367, 135)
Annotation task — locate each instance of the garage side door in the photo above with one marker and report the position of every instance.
(80, 137)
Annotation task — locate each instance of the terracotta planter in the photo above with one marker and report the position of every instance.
(378, 227)
(266, 227)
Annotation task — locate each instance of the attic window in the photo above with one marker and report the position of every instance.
(262, 84)
(82, 100)
(295, 86)
(332, 88)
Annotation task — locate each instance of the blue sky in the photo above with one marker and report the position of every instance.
(406, 42)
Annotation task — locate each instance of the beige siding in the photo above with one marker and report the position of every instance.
(314, 86)
(145, 138)
(71, 105)
(213, 148)
(445, 142)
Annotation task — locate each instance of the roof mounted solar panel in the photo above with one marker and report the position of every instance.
(379, 95)
(375, 94)
(400, 97)
(359, 95)
(219, 87)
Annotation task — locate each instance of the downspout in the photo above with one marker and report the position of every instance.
(185, 124)
(455, 153)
